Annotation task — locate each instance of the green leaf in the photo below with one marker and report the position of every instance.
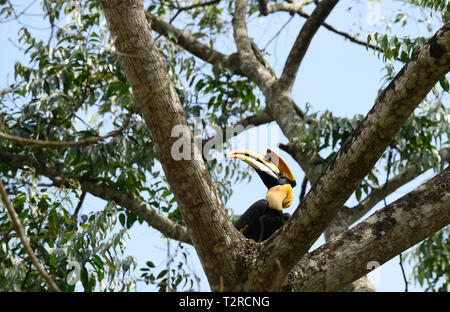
(444, 84)
(358, 194)
(435, 91)
(122, 219)
(161, 274)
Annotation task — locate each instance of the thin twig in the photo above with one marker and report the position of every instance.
(266, 9)
(196, 5)
(80, 203)
(302, 42)
(51, 20)
(25, 241)
(303, 191)
(403, 272)
(170, 22)
(186, 8)
(278, 32)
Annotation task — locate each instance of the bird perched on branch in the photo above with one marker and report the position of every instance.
(265, 216)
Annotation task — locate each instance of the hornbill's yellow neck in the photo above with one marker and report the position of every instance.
(279, 196)
(275, 174)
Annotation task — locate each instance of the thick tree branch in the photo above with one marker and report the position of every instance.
(255, 120)
(347, 216)
(17, 225)
(139, 207)
(243, 42)
(194, 46)
(249, 64)
(377, 239)
(292, 8)
(210, 230)
(102, 190)
(355, 158)
(377, 195)
(302, 42)
(383, 191)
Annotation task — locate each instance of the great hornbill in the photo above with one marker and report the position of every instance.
(265, 216)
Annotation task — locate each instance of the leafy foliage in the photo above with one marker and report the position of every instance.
(169, 278)
(72, 250)
(70, 86)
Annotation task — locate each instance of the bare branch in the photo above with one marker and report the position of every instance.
(255, 120)
(139, 207)
(378, 194)
(250, 68)
(25, 241)
(36, 237)
(194, 46)
(377, 239)
(292, 8)
(187, 8)
(79, 205)
(295, 8)
(351, 38)
(195, 5)
(249, 64)
(302, 42)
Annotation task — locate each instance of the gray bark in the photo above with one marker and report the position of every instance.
(230, 261)
(264, 266)
(379, 238)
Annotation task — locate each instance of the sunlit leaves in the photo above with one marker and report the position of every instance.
(72, 252)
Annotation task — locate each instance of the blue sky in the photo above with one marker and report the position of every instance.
(335, 75)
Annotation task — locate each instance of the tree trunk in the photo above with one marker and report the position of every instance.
(232, 262)
(200, 206)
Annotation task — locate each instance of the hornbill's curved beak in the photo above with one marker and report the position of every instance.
(273, 171)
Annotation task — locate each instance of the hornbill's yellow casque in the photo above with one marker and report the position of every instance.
(265, 216)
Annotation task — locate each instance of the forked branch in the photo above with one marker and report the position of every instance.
(379, 238)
